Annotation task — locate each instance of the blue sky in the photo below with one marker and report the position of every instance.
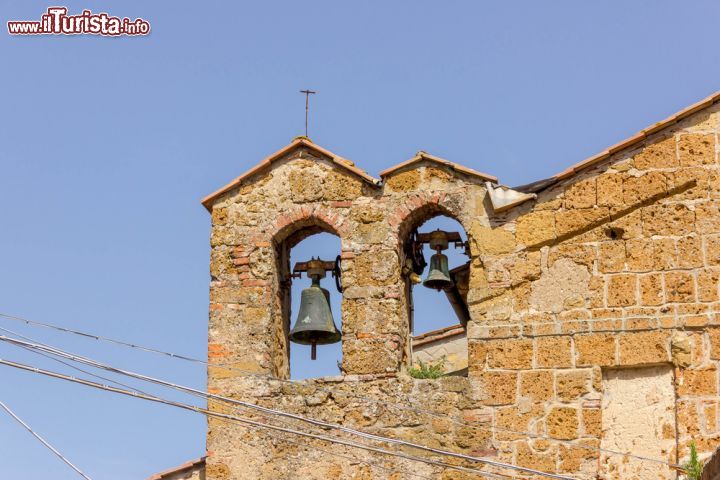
(107, 145)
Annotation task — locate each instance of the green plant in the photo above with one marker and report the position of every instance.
(428, 370)
(694, 466)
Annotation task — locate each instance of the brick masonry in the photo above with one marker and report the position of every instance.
(614, 267)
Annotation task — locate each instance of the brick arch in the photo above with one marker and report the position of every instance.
(301, 222)
(419, 208)
(415, 211)
(283, 234)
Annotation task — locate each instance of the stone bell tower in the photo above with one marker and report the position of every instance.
(298, 191)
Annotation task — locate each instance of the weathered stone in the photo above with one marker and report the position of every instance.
(660, 154)
(499, 388)
(577, 458)
(638, 348)
(565, 279)
(553, 352)
(698, 382)
(680, 350)
(707, 217)
(372, 233)
(668, 219)
(490, 241)
(692, 183)
(651, 289)
(378, 268)
(536, 228)
(611, 257)
(537, 385)
(573, 222)
(696, 149)
(562, 423)
(679, 287)
(367, 214)
(689, 252)
(622, 290)
(510, 354)
(714, 337)
(644, 187)
(404, 181)
(572, 384)
(529, 458)
(514, 419)
(581, 194)
(617, 266)
(305, 185)
(712, 250)
(639, 255)
(610, 190)
(592, 421)
(580, 254)
(595, 349)
(341, 186)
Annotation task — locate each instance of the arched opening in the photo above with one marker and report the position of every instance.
(301, 247)
(437, 295)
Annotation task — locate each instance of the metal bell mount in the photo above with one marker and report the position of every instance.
(439, 273)
(315, 324)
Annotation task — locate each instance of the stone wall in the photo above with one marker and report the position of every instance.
(615, 266)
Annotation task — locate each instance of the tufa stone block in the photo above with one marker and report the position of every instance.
(661, 154)
(696, 149)
(595, 349)
(535, 228)
(553, 352)
(511, 354)
(622, 290)
(571, 385)
(639, 348)
(562, 423)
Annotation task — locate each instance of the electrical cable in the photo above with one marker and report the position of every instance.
(369, 463)
(453, 420)
(249, 422)
(43, 441)
(93, 363)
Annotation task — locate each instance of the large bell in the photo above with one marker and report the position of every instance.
(439, 275)
(315, 325)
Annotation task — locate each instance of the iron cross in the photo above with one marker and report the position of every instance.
(307, 101)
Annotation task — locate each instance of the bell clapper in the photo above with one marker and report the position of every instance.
(313, 351)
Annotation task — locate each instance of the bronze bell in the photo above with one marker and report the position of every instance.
(439, 274)
(315, 325)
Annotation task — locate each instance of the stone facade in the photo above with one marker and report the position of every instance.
(614, 266)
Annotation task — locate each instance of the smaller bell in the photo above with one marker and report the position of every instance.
(439, 275)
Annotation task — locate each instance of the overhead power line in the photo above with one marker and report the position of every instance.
(399, 406)
(43, 441)
(378, 438)
(252, 423)
(67, 364)
(277, 437)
